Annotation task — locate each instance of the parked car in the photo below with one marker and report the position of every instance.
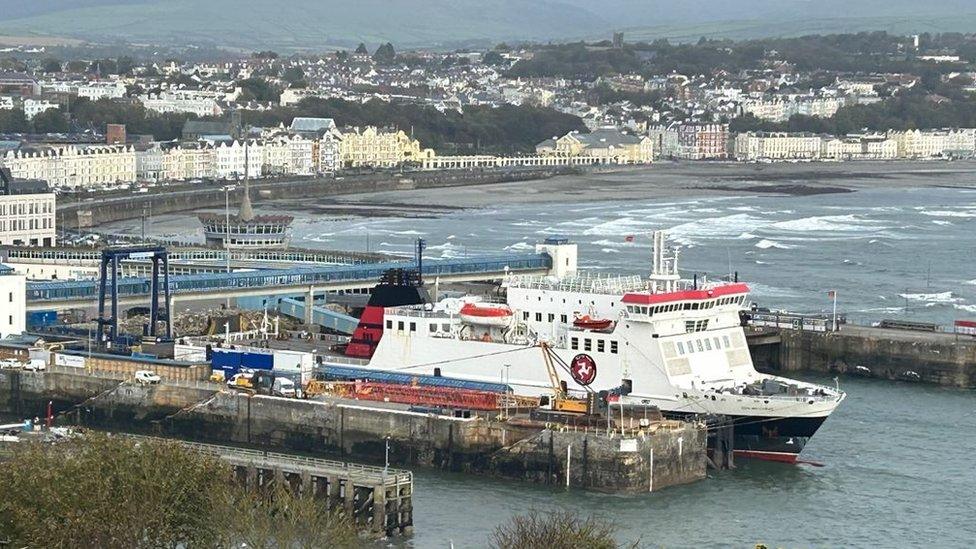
(145, 377)
(35, 365)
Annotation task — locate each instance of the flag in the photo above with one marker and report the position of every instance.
(832, 294)
(629, 238)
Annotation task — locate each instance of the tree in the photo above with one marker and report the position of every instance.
(77, 66)
(384, 54)
(293, 74)
(493, 58)
(554, 530)
(361, 49)
(13, 121)
(50, 121)
(103, 67)
(111, 492)
(125, 64)
(266, 54)
(258, 89)
(51, 64)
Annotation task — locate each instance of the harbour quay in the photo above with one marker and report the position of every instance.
(631, 456)
(890, 350)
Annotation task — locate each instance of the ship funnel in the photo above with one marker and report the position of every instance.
(664, 264)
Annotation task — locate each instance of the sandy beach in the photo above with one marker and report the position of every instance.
(661, 180)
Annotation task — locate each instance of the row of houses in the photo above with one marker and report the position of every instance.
(308, 147)
(910, 144)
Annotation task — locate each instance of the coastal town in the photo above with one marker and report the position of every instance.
(336, 297)
(82, 124)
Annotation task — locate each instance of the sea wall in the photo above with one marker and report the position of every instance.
(361, 431)
(942, 359)
(115, 207)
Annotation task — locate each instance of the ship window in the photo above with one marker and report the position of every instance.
(717, 344)
(689, 326)
(708, 344)
(446, 328)
(587, 344)
(525, 315)
(700, 348)
(691, 347)
(563, 319)
(389, 324)
(728, 344)
(613, 347)
(599, 346)
(433, 328)
(400, 325)
(644, 310)
(538, 317)
(681, 348)
(413, 326)
(552, 317)
(574, 343)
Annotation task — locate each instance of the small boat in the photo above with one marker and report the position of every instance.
(585, 322)
(486, 314)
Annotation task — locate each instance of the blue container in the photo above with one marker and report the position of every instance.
(41, 319)
(346, 373)
(257, 361)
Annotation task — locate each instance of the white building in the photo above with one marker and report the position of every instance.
(74, 166)
(229, 159)
(188, 161)
(188, 101)
(777, 146)
(34, 107)
(27, 215)
(13, 297)
(99, 90)
(859, 147)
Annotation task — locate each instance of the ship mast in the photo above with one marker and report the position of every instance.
(664, 265)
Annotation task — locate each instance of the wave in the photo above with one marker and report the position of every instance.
(948, 213)
(746, 236)
(967, 308)
(618, 227)
(765, 244)
(828, 223)
(609, 251)
(932, 298)
(941, 222)
(520, 247)
(715, 227)
(614, 243)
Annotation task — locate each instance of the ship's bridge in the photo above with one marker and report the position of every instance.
(647, 306)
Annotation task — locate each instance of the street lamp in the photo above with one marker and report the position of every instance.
(227, 189)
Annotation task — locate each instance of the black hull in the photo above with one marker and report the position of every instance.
(777, 439)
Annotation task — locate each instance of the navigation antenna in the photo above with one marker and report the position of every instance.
(664, 268)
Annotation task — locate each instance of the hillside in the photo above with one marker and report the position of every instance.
(317, 24)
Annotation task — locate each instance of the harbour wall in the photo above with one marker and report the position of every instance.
(939, 358)
(354, 430)
(110, 208)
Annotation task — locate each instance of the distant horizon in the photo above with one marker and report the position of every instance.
(309, 25)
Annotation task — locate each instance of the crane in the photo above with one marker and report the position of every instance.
(562, 402)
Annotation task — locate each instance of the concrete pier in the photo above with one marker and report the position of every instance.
(904, 355)
(369, 431)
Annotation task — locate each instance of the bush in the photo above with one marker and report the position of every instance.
(111, 492)
(554, 530)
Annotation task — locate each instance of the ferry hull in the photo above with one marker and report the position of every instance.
(773, 439)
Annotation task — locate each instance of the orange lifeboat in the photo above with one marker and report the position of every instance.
(486, 314)
(585, 322)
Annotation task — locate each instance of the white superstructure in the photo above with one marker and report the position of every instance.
(662, 341)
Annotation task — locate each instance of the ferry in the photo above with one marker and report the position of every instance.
(655, 340)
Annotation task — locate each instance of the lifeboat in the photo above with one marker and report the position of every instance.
(486, 314)
(585, 322)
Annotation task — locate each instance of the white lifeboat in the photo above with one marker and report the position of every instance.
(486, 314)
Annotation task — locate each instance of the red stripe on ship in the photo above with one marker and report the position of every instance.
(783, 457)
(686, 295)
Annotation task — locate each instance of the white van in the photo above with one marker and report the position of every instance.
(145, 377)
(284, 387)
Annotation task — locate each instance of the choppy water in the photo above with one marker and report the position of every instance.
(890, 252)
(898, 474)
(898, 456)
